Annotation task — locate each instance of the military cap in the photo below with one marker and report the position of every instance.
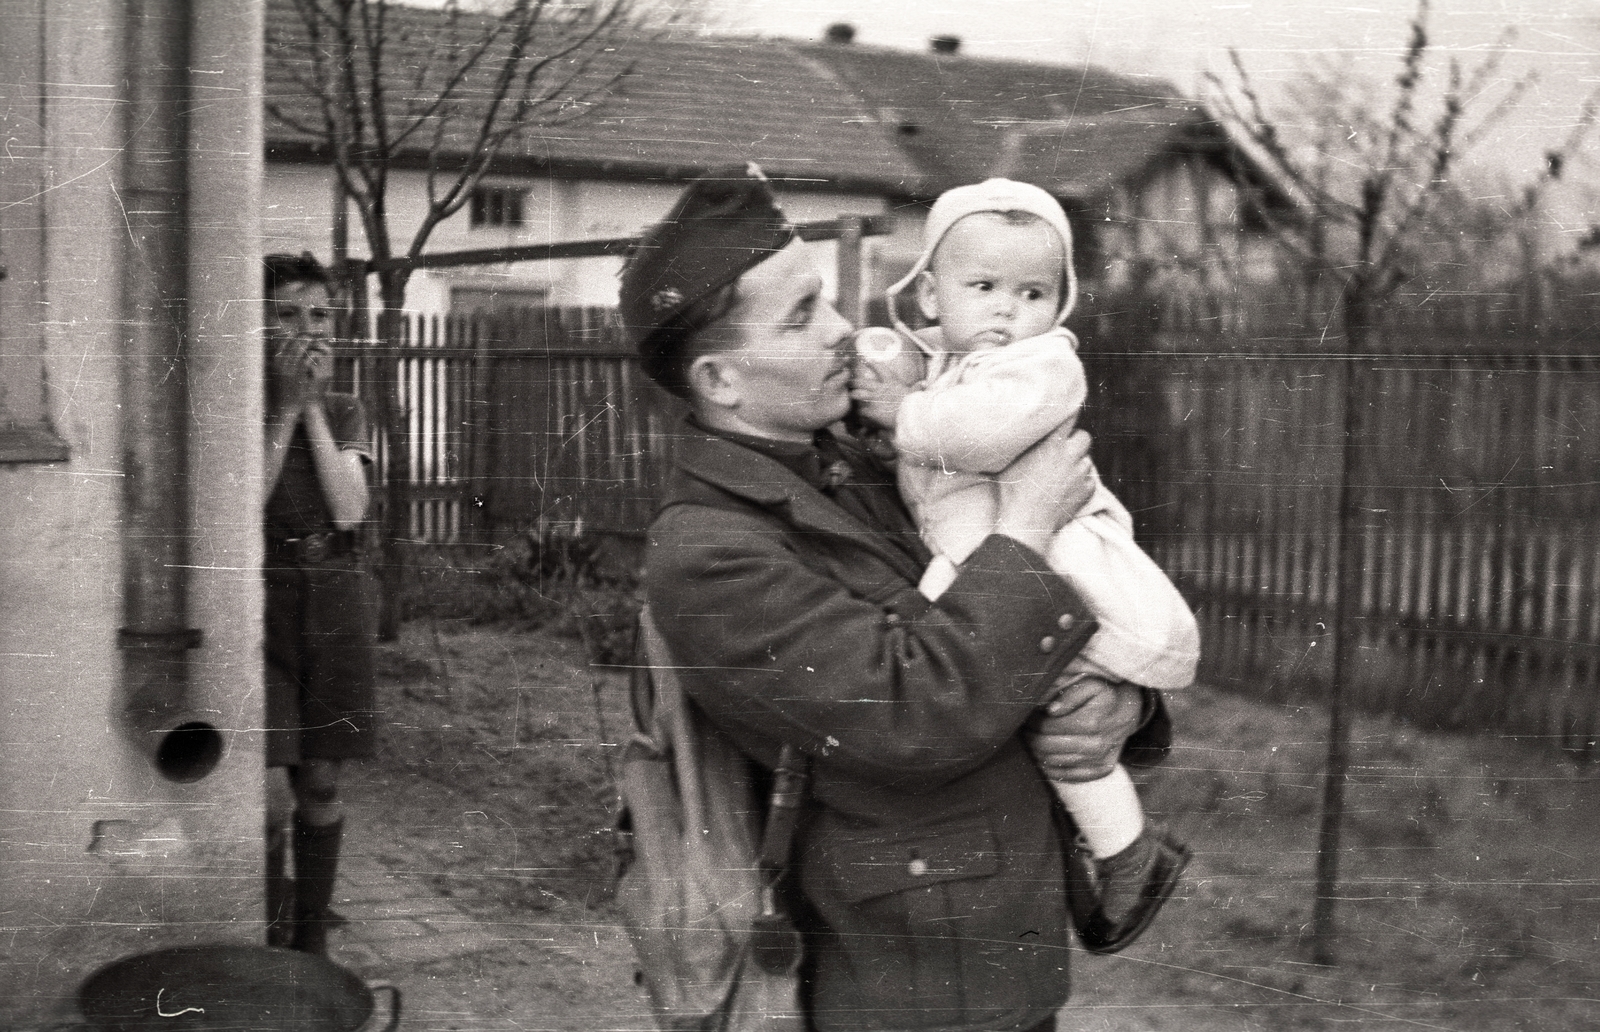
(725, 223)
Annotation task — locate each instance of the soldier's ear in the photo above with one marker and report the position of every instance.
(714, 379)
(927, 295)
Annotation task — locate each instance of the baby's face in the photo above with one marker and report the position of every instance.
(992, 282)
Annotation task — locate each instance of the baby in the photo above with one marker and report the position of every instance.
(962, 400)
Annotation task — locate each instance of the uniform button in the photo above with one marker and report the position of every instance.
(893, 619)
(1065, 621)
(1047, 643)
(917, 868)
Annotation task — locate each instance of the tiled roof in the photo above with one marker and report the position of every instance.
(1073, 130)
(901, 122)
(684, 105)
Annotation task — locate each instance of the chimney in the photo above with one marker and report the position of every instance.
(841, 33)
(945, 44)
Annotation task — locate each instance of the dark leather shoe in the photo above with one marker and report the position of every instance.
(1161, 868)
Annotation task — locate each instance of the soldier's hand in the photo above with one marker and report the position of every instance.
(1044, 488)
(1079, 734)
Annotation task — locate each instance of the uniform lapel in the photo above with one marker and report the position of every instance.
(768, 483)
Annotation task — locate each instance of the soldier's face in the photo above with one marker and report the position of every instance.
(781, 357)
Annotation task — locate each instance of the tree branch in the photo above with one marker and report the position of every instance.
(517, 85)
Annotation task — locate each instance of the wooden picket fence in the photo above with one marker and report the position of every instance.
(528, 419)
(1222, 431)
(1480, 594)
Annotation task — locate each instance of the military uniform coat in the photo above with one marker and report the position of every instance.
(929, 865)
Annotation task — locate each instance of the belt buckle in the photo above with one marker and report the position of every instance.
(315, 548)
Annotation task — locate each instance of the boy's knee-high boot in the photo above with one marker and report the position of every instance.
(316, 864)
(280, 892)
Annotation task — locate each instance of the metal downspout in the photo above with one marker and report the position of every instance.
(156, 635)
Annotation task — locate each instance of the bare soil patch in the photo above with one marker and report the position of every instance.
(1468, 897)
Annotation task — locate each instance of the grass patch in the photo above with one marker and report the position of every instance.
(519, 729)
(1467, 896)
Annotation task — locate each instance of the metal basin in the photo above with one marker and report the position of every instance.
(235, 988)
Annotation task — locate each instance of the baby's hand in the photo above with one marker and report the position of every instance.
(888, 354)
(886, 370)
(877, 401)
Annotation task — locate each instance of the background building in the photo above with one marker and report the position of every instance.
(1149, 180)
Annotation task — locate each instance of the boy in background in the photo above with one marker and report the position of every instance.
(321, 603)
(996, 375)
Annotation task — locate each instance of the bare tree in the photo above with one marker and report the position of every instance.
(381, 83)
(1373, 178)
(381, 86)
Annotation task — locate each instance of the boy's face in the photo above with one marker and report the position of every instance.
(299, 331)
(299, 309)
(992, 282)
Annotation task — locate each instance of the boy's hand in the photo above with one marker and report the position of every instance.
(304, 369)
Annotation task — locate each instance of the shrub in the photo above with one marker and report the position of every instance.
(582, 584)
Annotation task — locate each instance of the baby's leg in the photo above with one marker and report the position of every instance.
(1106, 810)
(1135, 868)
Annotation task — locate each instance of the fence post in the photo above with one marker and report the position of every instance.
(851, 297)
(476, 446)
(396, 494)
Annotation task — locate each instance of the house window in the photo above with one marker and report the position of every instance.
(497, 206)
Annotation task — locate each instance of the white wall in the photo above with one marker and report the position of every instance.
(100, 855)
(297, 215)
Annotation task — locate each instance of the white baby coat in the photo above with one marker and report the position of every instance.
(976, 414)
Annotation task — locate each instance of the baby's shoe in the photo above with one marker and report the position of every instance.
(1129, 890)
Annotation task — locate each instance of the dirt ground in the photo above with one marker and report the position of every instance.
(1468, 892)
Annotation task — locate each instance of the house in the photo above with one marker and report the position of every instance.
(683, 106)
(1156, 193)
(1151, 183)
(1149, 180)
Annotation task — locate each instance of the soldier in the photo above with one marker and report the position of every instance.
(782, 573)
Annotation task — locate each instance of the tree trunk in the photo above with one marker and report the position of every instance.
(394, 516)
(1356, 385)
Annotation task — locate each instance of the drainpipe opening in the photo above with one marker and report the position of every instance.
(189, 752)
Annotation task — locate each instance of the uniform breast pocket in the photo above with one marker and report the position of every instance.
(915, 916)
(913, 862)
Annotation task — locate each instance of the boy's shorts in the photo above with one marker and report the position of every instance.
(321, 634)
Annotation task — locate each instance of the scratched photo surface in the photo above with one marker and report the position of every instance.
(1336, 275)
